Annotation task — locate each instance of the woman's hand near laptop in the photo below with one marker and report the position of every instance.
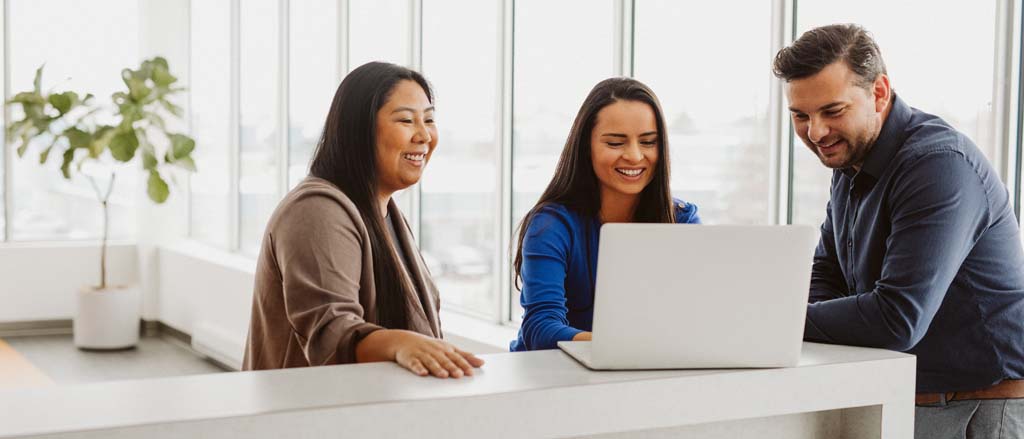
(583, 336)
(418, 353)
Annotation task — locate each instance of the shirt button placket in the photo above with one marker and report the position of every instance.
(851, 203)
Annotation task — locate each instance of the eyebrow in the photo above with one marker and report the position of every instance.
(396, 110)
(625, 136)
(825, 107)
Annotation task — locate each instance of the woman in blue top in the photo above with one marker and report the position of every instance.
(614, 168)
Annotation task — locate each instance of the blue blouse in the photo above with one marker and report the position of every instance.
(559, 271)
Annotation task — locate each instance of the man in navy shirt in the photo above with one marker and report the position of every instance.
(920, 251)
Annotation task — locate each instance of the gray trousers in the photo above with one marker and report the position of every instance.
(977, 419)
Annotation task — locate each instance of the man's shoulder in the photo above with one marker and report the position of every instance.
(928, 134)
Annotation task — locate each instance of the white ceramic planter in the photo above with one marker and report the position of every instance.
(107, 319)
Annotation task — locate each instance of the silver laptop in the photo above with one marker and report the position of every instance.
(678, 296)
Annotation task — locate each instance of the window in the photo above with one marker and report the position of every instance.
(211, 122)
(45, 205)
(459, 220)
(562, 49)
(379, 30)
(715, 87)
(715, 99)
(949, 74)
(312, 78)
(259, 135)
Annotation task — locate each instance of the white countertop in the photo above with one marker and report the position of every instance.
(824, 380)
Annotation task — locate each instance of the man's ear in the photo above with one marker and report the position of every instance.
(882, 92)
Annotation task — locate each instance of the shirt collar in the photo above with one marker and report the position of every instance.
(889, 140)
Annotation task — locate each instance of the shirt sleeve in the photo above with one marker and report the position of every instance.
(319, 251)
(827, 281)
(546, 249)
(686, 213)
(938, 211)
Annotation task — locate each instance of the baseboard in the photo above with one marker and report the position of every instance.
(35, 327)
(147, 328)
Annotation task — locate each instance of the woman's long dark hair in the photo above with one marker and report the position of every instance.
(575, 185)
(346, 156)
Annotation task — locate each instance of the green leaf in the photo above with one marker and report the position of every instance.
(123, 145)
(149, 161)
(163, 78)
(186, 163)
(15, 128)
(37, 82)
(171, 108)
(27, 97)
(136, 82)
(101, 140)
(63, 101)
(65, 166)
(160, 61)
(181, 145)
(157, 188)
(46, 152)
(21, 149)
(77, 138)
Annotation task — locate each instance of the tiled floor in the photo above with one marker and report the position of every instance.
(60, 361)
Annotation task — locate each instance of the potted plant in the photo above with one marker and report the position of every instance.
(77, 129)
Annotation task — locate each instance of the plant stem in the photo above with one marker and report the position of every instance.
(104, 198)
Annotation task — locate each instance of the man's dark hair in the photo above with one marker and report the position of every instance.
(820, 47)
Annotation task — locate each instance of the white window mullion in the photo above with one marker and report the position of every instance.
(780, 164)
(283, 64)
(8, 195)
(624, 37)
(504, 222)
(342, 55)
(1005, 95)
(189, 124)
(234, 125)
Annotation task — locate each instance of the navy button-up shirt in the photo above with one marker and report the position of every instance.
(920, 252)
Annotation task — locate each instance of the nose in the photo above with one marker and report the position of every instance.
(632, 152)
(422, 134)
(817, 130)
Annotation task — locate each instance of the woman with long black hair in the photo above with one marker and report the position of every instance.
(614, 168)
(339, 278)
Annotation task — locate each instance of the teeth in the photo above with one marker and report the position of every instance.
(630, 172)
(414, 157)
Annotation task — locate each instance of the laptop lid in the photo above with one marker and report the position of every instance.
(701, 296)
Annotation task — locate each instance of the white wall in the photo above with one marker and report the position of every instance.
(207, 293)
(38, 281)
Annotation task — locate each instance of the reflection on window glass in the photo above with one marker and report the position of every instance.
(258, 134)
(211, 121)
(562, 49)
(717, 122)
(87, 59)
(379, 30)
(312, 78)
(460, 199)
(945, 73)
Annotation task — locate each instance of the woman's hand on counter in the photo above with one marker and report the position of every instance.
(583, 336)
(418, 353)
